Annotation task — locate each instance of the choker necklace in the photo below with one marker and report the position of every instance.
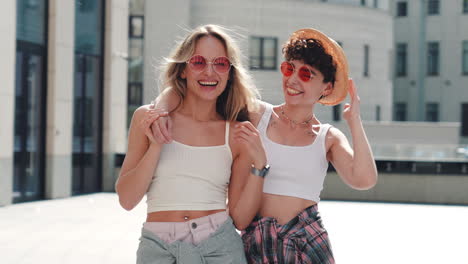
(294, 122)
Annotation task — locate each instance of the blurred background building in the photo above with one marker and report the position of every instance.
(74, 71)
(63, 96)
(363, 29)
(431, 61)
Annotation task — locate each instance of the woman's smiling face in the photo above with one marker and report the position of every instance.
(297, 91)
(207, 84)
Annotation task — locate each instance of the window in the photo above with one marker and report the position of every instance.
(135, 70)
(433, 7)
(377, 112)
(465, 57)
(363, 2)
(135, 28)
(465, 6)
(88, 96)
(134, 99)
(464, 119)
(433, 58)
(30, 21)
(401, 59)
(432, 112)
(89, 27)
(366, 60)
(400, 112)
(337, 112)
(135, 96)
(135, 73)
(84, 5)
(376, 3)
(135, 65)
(402, 9)
(262, 53)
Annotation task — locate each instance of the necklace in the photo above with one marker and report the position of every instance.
(294, 122)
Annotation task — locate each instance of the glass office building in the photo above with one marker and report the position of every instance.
(58, 66)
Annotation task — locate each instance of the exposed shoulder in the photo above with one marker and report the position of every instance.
(140, 111)
(334, 135)
(137, 117)
(256, 116)
(137, 140)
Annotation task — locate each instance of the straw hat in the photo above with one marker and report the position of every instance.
(340, 88)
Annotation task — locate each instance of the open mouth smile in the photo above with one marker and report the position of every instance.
(208, 83)
(291, 91)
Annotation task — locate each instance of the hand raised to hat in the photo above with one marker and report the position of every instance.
(352, 111)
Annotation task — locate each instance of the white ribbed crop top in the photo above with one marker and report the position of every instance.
(297, 171)
(191, 178)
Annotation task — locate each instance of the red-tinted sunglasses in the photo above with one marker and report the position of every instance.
(304, 73)
(199, 63)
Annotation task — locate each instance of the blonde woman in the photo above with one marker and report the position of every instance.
(188, 180)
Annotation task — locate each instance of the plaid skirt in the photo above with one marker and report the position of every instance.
(302, 240)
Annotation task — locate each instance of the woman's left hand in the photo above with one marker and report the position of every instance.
(352, 111)
(248, 135)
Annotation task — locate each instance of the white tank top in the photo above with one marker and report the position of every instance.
(297, 171)
(191, 178)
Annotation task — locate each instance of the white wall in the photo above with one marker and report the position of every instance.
(391, 187)
(60, 98)
(165, 22)
(408, 133)
(7, 98)
(381, 4)
(115, 87)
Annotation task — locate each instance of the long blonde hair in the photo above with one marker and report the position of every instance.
(240, 96)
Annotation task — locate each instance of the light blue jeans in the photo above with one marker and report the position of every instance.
(223, 246)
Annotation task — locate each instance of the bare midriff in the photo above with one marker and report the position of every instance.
(283, 208)
(179, 216)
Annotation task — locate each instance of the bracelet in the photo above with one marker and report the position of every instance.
(261, 173)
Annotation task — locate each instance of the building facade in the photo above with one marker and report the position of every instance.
(363, 28)
(431, 61)
(64, 88)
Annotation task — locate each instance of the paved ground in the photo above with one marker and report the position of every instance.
(94, 229)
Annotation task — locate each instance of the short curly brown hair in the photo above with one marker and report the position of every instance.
(311, 52)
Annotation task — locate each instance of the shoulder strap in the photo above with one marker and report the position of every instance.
(262, 125)
(324, 129)
(226, 137)
(323, 132)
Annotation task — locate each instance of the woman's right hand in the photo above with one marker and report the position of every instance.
(246, 134)
(157, 125)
